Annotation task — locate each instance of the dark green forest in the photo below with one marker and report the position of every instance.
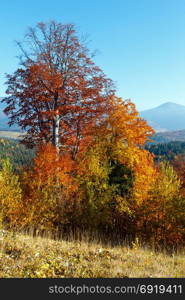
(19, 155)
(166, 151)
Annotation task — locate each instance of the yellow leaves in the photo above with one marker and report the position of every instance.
(145, 175)
(126, 124)
(10, 194)
(122, 205)
(168, 184)
(159, 215)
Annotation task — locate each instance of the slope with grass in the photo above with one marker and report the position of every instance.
(28, 256)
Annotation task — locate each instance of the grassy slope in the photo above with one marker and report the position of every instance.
(27, 256)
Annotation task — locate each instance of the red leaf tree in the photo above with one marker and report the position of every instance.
(58, 94)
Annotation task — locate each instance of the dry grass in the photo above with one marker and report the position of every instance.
(28, 256)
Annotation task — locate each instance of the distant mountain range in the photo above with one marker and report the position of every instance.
(166, 117)
(168, 120)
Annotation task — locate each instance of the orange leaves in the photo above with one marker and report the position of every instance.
(49, 188)
(126, 134)
(125, 123)
(59, 94)
(51, 167)
(102, 178)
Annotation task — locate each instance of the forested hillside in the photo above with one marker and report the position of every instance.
(166, 151)
(17, 153)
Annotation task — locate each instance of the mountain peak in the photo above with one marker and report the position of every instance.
(170, 105)
(168, 116)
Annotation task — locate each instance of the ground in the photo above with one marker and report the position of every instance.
(22, 255)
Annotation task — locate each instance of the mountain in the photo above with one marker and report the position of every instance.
(166, 117)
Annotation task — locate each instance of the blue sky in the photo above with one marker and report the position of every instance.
(141, 43)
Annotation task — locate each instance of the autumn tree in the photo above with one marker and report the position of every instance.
(161, 217)
(48, 189)
(58, 93)
(127, 133)
(115, 172)
(179, 165)
(10, 196)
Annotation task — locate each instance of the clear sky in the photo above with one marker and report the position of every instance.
(141, 43)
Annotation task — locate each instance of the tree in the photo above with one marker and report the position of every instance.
(48, 189)
(179, 165)
(58, 94)
(115, 172)
(10, 195)
(161, 217)
(127, 133)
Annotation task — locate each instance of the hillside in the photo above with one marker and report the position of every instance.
(18, 154)
(169, 136)
(166, 151)
(26, 256)
(166, 117)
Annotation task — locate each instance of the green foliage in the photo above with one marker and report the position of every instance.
(121, 177)
(19, 155)
(166, 151)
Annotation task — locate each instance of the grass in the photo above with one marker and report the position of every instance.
(22, 255)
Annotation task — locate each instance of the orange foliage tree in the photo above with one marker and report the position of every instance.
(115, 171)
(49, 188)
(127, 134)
(59, 93)
(91, 167)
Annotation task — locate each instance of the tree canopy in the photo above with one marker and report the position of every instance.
(58, 94)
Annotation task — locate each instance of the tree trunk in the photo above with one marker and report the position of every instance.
(56, 126)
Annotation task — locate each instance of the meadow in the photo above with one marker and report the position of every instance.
(28, 256)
